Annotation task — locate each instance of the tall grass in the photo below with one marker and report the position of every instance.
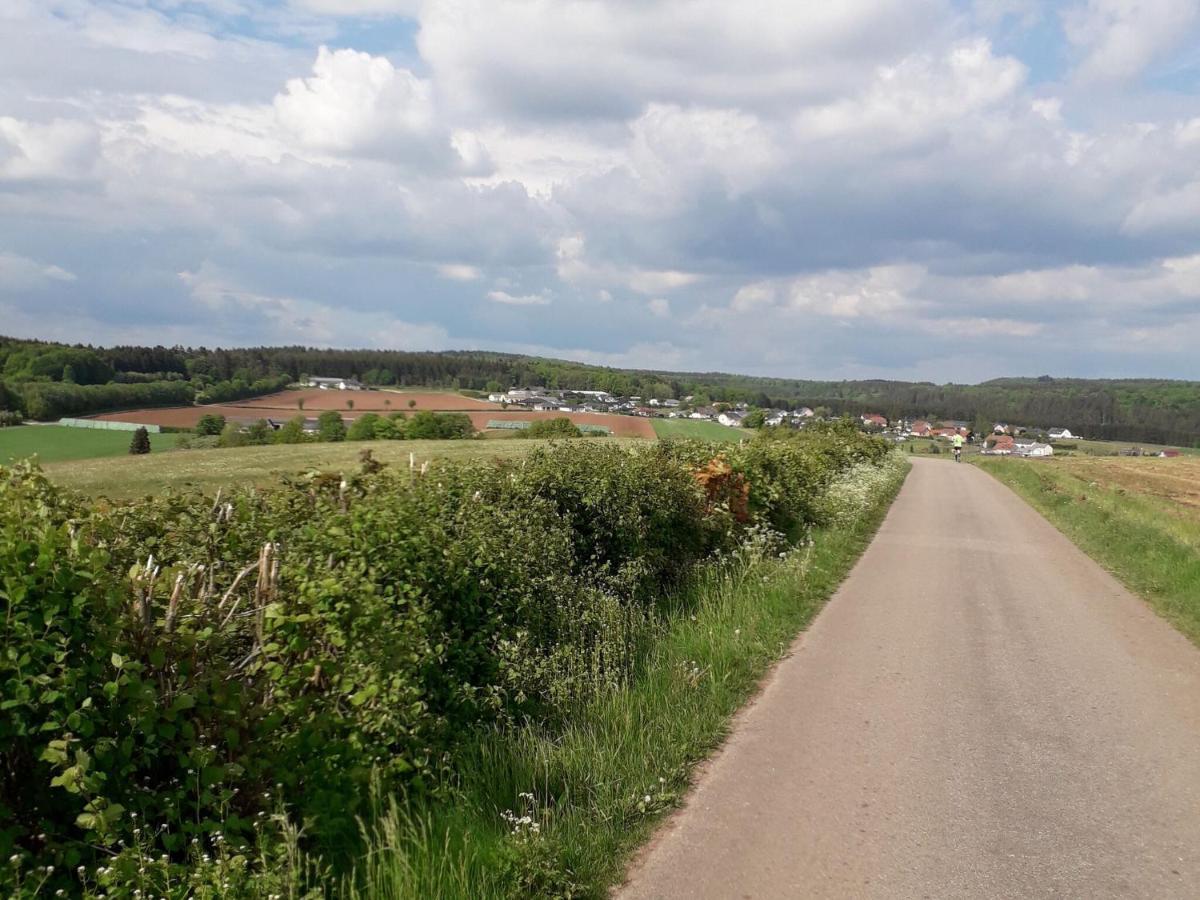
(556, 813)
(1149, 542)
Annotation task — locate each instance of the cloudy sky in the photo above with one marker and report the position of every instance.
(899, 188)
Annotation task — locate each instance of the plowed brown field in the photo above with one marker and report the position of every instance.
(365, 401)
(284, 406)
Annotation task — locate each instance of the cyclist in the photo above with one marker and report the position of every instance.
(957, 441)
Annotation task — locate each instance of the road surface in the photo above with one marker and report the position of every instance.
(981, 711)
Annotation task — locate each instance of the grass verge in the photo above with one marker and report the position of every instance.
(557, 813)
(1146, 537)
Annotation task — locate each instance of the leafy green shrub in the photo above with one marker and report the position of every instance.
(551, 428)
(210, 423)
(259, 432)
(198, 663)
(232, 435)
(425, 425)
(292, 432)
(330, 426)
(363, 428)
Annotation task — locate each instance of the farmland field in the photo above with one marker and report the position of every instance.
(373, 401)
(1115, 448)
(57, 443)
(1138, 517)
(698, 429)
(287, 404)
(207, 470)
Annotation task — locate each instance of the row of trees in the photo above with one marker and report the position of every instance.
(331, 427)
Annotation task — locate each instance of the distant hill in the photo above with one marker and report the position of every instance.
(1151, 410)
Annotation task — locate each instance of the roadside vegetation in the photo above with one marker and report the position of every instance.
(399, 679)
(1139, 518)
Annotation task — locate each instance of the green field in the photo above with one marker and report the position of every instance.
(699, 429)
(57, 443)
(207, 470)
(1139, 518)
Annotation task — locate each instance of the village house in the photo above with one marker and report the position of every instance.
(732, 418)
(1061, 434)
(920, 428)
(334, 384)
(874, 419)
(703, 412)
(1000, 444)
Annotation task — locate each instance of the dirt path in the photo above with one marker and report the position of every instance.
(981, 711)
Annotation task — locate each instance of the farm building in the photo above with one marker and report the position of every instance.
(335, 384)
(1034, 449)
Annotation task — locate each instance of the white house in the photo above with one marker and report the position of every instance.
(731, 418)
(1061, 434)
(1036, 449)
(335, 384)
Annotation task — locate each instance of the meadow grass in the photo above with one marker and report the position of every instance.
(1138, 523)
(540, 811)
(698, 429)
(208, 470)
(57, 443)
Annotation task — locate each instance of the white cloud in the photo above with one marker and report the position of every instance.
(354, 101)
(918, 96)
(229, 308)
(360, 7)
(19, 273)
(1120, 38)
(459, 272)
(753, 296)
(58, 149)
(855, 187)
(573, 58)
(518, 300)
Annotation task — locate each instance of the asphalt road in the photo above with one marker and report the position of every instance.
(981, 711)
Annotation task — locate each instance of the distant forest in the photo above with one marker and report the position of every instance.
(45, 380)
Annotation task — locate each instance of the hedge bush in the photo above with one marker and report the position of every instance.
(182, 666)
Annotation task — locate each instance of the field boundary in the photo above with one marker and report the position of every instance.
(1148, 544)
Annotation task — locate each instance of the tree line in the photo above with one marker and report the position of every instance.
(1153, 410)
